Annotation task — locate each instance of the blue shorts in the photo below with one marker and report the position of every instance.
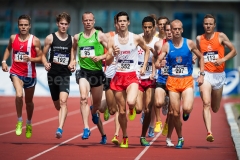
(28, 82)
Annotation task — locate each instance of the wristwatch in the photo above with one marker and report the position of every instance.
(202, 73)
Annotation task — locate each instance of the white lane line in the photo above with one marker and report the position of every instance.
(91, 129)
(147, 147)
(45, 121)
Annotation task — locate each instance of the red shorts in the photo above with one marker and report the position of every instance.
(179, 84)
(122, 80)
(146, 83)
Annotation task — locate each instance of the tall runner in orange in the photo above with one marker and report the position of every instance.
(211, 44)
(26, 51)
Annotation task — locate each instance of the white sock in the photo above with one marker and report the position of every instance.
(29, 121)
(20, 119)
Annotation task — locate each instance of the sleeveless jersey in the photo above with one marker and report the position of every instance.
(127, 59)
(60, 56)
(180, 60)
(163, 71)
(19, 66)
(89, 47)
(141, 54)
(212, 50)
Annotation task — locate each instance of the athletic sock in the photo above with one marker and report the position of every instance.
(20, 119)
(29, 121)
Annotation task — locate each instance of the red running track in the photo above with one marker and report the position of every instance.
(44, 145)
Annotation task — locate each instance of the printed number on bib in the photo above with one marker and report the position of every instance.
(148, 68)
(125, 65)
(18, 56)
(164, 70)
(180, 70)
(87, 51)
(61, 58)
(210, 56)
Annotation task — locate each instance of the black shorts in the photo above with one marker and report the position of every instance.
(163, 86)
(95, 78)
(106, 85)
(58, 84)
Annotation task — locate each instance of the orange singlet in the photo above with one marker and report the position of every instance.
(212, 50)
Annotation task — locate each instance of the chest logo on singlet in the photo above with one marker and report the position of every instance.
(18, 56)
(87, 51)
(178, 59)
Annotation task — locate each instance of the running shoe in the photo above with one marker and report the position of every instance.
(106, 114)
(185, 116)
(19, 128)
(210, 137)
(180, 143)
(86, 133)
(165, 129)
(158, 126)
(132, 114)
(95, 118)
(103, 140)
(59, 133)
(142, 117)
(165, 106)
(115, 140)
(124, 143)
(144, 142)
(151, 132)
(28, 131)
(169, 142)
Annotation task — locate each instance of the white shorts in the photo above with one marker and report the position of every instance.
(217, 80)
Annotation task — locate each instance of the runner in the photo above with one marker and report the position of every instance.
(61, 64)
(123, 46)
(26, 51)
(211, 44)
(90, 76)
(147, 81)
(180, 81)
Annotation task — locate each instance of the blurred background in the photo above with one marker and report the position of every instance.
(190, 12)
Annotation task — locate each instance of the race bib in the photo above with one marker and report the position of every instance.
(87, 51)
(180, 70)
(210, 56)
(148, 68)
(60, 58)
(125, 65)
(164, 70)
(18, 56)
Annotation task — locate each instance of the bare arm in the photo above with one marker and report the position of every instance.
(37, 46)
(226, 42)
(72, 64)
(109, 56)
(161, 56)
(7, 53)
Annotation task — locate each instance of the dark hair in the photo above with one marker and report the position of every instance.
(98, 28)
(63, 15)
(122, 13)
(162, 17)
(115, 19)
(148, 19)
(167, 23)
(88, 12)
(27, 17)
(209, 16)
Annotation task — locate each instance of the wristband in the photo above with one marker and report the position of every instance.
(3, 61)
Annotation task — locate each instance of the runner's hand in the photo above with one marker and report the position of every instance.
(72, 66)
(200, 80)
(96, 58)
(116, 50)
(47, 66)
(4, 67)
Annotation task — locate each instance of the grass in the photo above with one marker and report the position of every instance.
(238, 107)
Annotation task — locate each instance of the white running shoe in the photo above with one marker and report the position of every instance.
(169, 142)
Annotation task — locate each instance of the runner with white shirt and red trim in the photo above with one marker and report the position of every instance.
(26, 50)
(123, 46)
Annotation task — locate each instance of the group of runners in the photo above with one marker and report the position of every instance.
(142, 73)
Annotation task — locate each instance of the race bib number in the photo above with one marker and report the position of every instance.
(179, 70)
(164, 70)
(60, 58)
(125, 65)
(87, 51)
(148, 68)
(18, 56)
(210, 56)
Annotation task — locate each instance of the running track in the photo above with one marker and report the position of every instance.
(44, 145)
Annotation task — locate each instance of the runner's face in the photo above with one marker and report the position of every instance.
(63, 26)
(209, 25)
(123, 23)
(24, 26)
(88, 21)
(177, 29)
(148, 29)
(161, 24)
(168, 32)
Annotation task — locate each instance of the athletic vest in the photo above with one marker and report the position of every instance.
(60, 56)
(89, 47)
(212, 50)
(127, 59)
(163, 71)
(19, 66)
(179, 60)
(141, 54)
